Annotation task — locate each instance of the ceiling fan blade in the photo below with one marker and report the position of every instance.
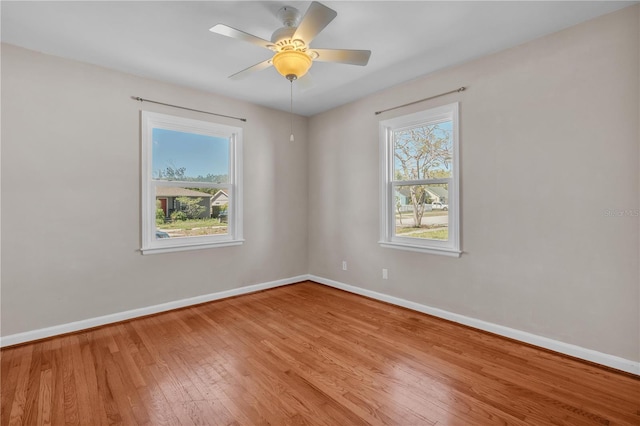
(315, 19)
(254, 68)
(228, 31)
(353, 57)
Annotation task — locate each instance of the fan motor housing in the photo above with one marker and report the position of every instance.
(283, 37)
(283, 34)
(289, 16)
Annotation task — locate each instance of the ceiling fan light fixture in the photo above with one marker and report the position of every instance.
(292, 64)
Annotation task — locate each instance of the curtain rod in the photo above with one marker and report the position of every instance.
(461, 89)
(137, 98)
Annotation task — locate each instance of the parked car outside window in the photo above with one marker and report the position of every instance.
(439, 206)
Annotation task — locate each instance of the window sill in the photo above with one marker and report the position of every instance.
(421, 249)
(158, 250)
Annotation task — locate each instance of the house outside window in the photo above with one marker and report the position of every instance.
(191, 184)
(419, 182)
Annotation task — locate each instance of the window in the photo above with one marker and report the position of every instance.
(419, 184)
(191, 184)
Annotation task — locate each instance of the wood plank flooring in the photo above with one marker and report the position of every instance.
(303, 354)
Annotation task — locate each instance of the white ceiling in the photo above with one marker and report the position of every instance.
(170, 40)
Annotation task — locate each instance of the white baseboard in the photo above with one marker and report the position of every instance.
(523, 336)
(28, 336)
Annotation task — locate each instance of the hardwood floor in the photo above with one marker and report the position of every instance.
(303, 354)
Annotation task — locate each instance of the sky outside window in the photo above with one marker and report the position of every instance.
(200, 155)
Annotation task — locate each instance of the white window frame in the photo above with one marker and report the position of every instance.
(151, 244)
(388, 239)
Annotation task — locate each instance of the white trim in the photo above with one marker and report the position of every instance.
(42, 333)
(420, 249)
(235, 216)
(189, 246)
(421, 182)
(612, 361)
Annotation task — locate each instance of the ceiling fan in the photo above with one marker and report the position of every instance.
(291, 43)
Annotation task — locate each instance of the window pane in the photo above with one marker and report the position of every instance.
(189, 157)
(422, 211)
(190, 212)
(423, 152)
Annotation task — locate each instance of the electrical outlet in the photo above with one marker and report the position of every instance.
(344, 265)
(385, 274)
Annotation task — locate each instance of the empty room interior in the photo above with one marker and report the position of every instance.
(320, 213)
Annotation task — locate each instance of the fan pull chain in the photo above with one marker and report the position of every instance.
(291, 138)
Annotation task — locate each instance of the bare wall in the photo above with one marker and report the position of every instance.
(549, 142)
(71, 196)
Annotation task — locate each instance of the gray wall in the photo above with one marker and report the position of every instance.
(549, 141)
(71, 144)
